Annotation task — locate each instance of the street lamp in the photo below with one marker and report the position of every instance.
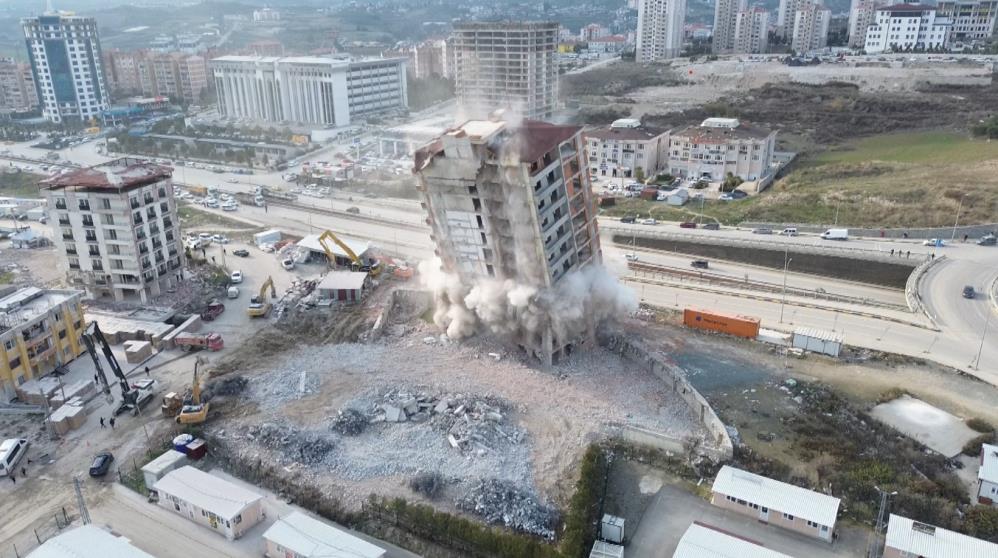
(977, 361)
(957, 221)
(875, 547)
(786, 265)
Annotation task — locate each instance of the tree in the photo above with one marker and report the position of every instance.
(639, 174)
(731, 182)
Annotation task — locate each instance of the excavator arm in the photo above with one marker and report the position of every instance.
(93, 337)
(357, 262)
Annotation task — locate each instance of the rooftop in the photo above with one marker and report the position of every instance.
(317, 60)
(633, 133)
(929, 541)
(531, 138)
(311, 538)
(907, 8)
(779, 496)
(118, 175)
(95, 541)
(28, 303)
(713, 131)
(358, 247)
(207, 492)
(336, 280)
(705, 541)
(989, 463)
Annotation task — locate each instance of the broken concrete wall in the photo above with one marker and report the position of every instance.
(192, 324)
(403, 306)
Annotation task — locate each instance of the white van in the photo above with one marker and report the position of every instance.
(789, 231)
(836, 234)
(11, 451)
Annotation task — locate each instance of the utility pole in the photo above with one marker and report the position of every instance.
(977, 361)
(786, 266)
(874, 551)
(80, 502)
(955, 223)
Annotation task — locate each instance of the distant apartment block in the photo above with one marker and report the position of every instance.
(266, 14)
(660, 29)
(65, 56)
(725, 20)
(308, 90)
(785, 16)
(719, 146)
(776, 503)
(39, 330)
(907, 538)
(973, 21)
(607, 44)
(593, 31)
(901, 27)
(987, 476)
(511, 201)
(506, 65)
(430, 58)
(624, 146)
(17, 86)
(863, 14)
(116, 228)
(752, 31)
(810, 27)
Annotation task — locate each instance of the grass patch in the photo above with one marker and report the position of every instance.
(20, 185)
(980, 425)
(922, 148)
(192, 217)
(973, 447)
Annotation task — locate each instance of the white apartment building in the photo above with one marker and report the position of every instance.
(17, 86)
(863, 14)
(725, 20)
(66, 62)
(506, 65)
(987, 476)
(719, 146)
(785, 16)
(308, 90)
(266, 14)
(902, 27)
(116, 228)
(973, 21)
(752, 31)
(624, 146)
(810, 27)
(660, 29)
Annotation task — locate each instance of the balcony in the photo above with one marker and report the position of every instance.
(64, 221)
(89, 223)
(135, 203)
(164, 208)
(140, 234)
(168, 223)
(151, 213)
(153, 229)
(84, 205)
(61, 204)
(148, 199)
(137, 220)
(143, 248)
(67, 236)
(71, 250)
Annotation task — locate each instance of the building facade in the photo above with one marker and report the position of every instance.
(776, 503)
(177, 75)
(907, 538)
(863, 14)
(660, 29)
(593, 31)
(752, 31)
(210, 501)
(512, 202)
(17, 86)
(785, 15)
(266, 14)
(973, 21)
(67, 65)
(116, 228)
(506, 65)
(316, 91)
(624, 146)
(427, 59)
(40, 329)
(901, 27)
(725, 20)
(719, 146)
(810, 27)
(987, 476)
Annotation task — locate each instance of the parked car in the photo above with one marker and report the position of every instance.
(212, 311)
(627, 219)
(968, 292)
(241, 253)
(631, 257)
(288, 264)
(236, 277)
(762, 230)
(688, 225)
(230, 206)
(738, 195)
(712, 226)
(988, 240)
(204, 239)
(232, 180)
(725, 197)
(354, 210)
(934, 242)
(649, 222)
(700, 264)
(101, 464)
(219, 238)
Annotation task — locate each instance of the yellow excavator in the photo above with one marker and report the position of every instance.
(196, 412)
(259, 305)
(373, 269)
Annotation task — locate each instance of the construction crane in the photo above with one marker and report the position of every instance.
(357, 264)
(196, 412)
(259, 306)
(131, 398)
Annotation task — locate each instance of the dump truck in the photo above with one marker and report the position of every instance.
(197, 341)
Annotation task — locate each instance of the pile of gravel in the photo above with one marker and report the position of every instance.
(291, 444)
(503, 502)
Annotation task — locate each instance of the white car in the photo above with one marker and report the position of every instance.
(934, 242)
(232, 180)
(205, 239)
(288, 264)
(236, 277)
(229, 206)
(631, 257)
(219, 238)
(267, 247)
(649, 222)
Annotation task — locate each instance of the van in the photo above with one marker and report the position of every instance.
(11, 451)
(789, 231)
(233, 292)
(836, 234)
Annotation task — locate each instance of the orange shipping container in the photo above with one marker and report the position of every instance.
(740, 326)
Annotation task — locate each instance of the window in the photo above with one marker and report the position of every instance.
(106, 203)
(812, 524)
(15, 362)
(788, 517)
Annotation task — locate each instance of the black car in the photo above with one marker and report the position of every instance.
(241, 253)
(738, 194)
(700, 264)
(627, 219)
(968, 292)
(712, 226)
(101, 464)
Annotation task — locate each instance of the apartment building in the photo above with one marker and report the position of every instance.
(862, 14)
(719, 146)
(506, 65)
(593, 31)
(907, 538)
(624, 146)
(121, 69)
(785, 16)
(177, 75)
(987, 476)
(308, 90)
(66, 62)
(810, 27)
(973, 21)
(902, 27)
(39, 330)
(776, 503)
(752, 31)
(430, 58)
(17, 86)
(266, 14)
(116, 228)
(660, 29)
(725, 20)
(512, 202)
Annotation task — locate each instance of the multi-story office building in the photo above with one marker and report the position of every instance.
(17, 86)
(660, 29)
(902, 27)
(316, 91)
(719, 146)
(506, 65)
(624, 146)
(810, 27)
(725, 19)
(752, 31)
(512, 202)
(68, 68)
(116, 228)
(973, 21)
(39, 330)
(863, 14)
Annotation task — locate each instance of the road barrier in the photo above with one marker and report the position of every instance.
(973, 231)
(911, 290)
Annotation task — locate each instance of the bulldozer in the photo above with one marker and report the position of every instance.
(373, 269)
(196, 412)
(259, 305)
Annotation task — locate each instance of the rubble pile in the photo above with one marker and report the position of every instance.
(427, 484)
(291, 444)
(349, 422)
(297, 297)
(502, 502)
(228, 385)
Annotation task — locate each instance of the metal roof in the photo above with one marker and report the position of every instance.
(606, 550)
(349, 280)
(929, 541)
(207, 492)
(164, 462)
(821, 334)
(359, 248)
(705, 541)
(777, 496)
(311, 538)
(989, 463)
(87, 540)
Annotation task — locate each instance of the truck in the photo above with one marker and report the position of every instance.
(835, 234)
(267, 237)
(197, 341)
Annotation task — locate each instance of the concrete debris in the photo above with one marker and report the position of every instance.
(225, 386)
(299, 296)
(350, 422)
(428, 484)
(291, 444)
(501, 502)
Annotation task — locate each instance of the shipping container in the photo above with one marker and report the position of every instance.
(649, 194)
(740, 326)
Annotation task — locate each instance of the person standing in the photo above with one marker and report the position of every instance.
(147, 371)
(102, 422)
(112, 423)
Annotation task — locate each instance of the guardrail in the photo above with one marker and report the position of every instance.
(911, 288)
(993, 294)
(946, 233)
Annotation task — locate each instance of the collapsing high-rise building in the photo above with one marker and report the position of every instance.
(513, 218)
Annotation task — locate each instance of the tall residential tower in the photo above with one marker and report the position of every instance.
(660, 29)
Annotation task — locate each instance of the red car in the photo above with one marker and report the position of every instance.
(212, 311)
(687, 225)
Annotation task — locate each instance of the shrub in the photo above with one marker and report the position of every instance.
(973, 447)
(427, 484)
(891, 395)
(980, 425)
